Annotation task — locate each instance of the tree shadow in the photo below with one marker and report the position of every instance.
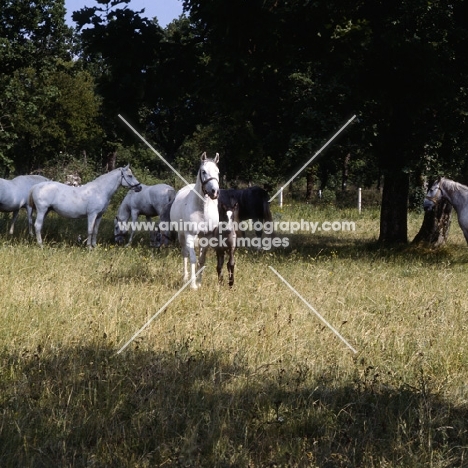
(307, 247)
(87, 406)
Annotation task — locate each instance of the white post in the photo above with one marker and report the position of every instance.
(281, 198)
(359, 200)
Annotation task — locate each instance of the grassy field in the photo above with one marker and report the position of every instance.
(234, 377)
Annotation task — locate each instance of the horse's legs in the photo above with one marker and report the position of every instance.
(201, 263)
(131, 230)
(230, 265)
(190, 246)
(96, 228)
(38, 225)
(13, 219)
(185, 254)
(153, 233)
(258, 233)
(93, 225)
(220, 263)
(29, 211)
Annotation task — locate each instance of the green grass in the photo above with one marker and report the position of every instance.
(234, 377)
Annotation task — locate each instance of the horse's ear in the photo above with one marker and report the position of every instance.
(203, 157)
(127, 166)
(216, 159)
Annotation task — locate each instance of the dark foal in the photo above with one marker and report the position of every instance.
(252, 203)
(227, 238)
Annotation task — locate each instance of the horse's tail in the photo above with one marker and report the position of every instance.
(168, 235)
(266, 210)
(31, 199)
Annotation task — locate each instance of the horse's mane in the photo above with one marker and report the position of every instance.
(452, 186)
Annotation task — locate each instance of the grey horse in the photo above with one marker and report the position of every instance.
(152, 200)
(14, 196)
(90, 200)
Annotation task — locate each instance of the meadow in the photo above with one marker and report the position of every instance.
(241, 377)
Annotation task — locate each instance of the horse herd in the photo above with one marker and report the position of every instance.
(206, 211)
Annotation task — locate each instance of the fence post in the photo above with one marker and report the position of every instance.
(359, 200)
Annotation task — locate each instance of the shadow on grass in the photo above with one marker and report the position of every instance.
(306, 247)
(87, 406)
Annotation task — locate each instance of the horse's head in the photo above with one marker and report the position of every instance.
(119, 231)
(209, 176)
(129, 180)
(228, 217)
(433, 195)
(229, 211)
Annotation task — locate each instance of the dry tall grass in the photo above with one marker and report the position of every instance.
(241, 377)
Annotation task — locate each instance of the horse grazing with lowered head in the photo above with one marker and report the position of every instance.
(195, 211)
(151, 200)
(226, 237)
(253, 204)
(455, 193)
(90, 200)
(14, 195)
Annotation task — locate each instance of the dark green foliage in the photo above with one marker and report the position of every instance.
(48, 103)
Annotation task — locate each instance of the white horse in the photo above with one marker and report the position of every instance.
(14, 196)
(90, 200)
(196, 208)
(152, 200)
(456, 194)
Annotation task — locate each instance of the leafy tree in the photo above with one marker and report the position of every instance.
(48, 104)
(119, 47)
(410, 74)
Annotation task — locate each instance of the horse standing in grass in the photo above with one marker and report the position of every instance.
(227, 237)
(196, 207)
(90, 200)
(152, 200)
(253, 204)
(456, 194)
(14, 196)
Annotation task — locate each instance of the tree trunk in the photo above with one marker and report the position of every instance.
(345, 172)
(393, 214)
(436, 225)
(310, 175)
(110, 161)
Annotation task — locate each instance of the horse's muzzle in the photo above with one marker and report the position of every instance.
(213, 193)
(137, 188)
(428, 205)
(119, 239)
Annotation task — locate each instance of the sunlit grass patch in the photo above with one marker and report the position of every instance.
(246, 376)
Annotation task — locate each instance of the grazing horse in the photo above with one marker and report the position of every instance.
(90, 200)
(227, 237)
(14, 196)
(152, 200)
(456, 194)
(253, 204)
(196, 208)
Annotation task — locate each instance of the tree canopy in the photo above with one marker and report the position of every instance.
(264, 83)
